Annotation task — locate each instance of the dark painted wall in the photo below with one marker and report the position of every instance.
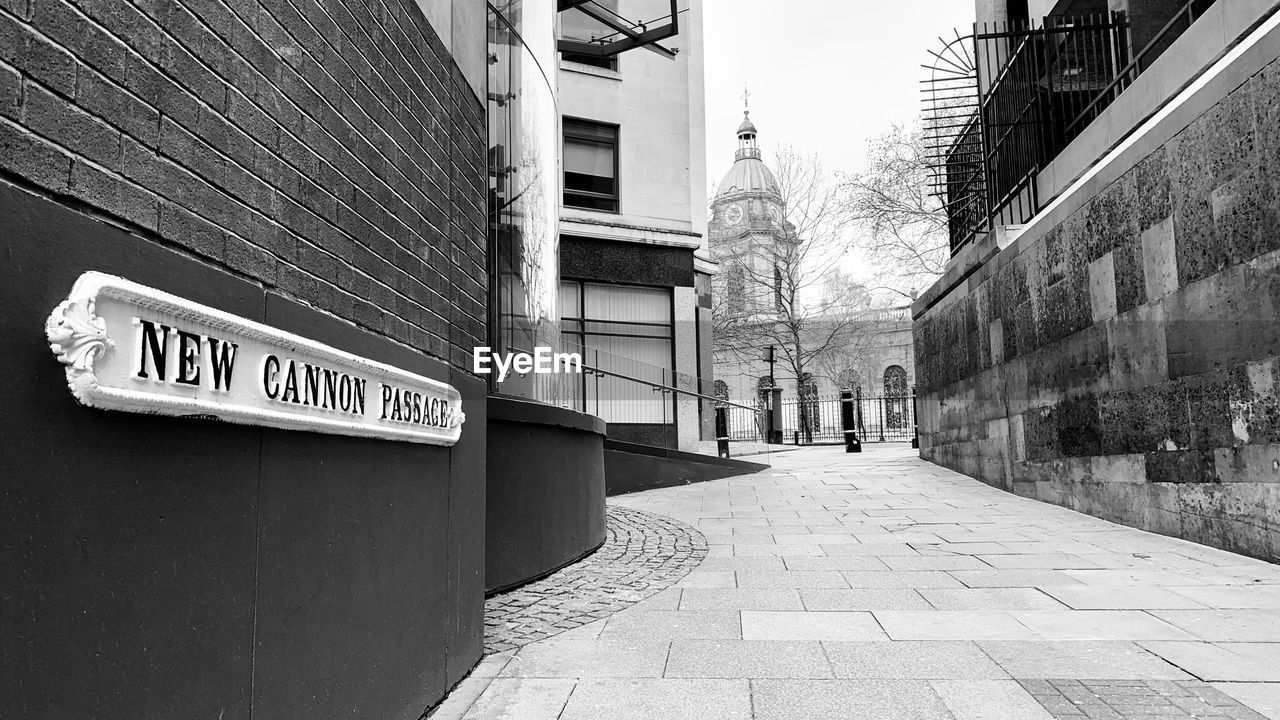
(625, 262)
(545, 490)
(1126, 361)
(159, 567)
(631, 468)
(656, 434)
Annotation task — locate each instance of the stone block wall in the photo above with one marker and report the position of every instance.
(1124, 362)
(331, 151)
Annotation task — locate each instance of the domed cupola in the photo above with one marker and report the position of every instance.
(748, 174)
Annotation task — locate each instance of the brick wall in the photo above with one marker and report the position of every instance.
(1126, 361)
(329, 150)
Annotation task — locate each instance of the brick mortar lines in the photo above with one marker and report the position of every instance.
(459, 152)
(643, 553)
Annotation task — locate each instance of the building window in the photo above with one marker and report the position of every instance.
(735, 301)
(608, 62)
(626, 331)
(895, 397)
(721, 392)
(848, 379)
(590, 165)
(807, 392)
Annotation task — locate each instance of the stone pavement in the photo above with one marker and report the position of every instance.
(881, 586)
(642, 555)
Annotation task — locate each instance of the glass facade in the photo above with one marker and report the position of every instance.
(524, 191)
(626, 330)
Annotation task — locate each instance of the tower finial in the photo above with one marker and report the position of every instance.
(746, 98)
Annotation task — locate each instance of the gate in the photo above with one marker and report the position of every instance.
(878, 418)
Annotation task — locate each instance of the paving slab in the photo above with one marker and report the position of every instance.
(1081, 659)
(1099, 625)
(847, 700)
(740, 599)
(821, 600)
(1087, 597)
(953, 625)
(670, 624)
(989, 599)
(989, 700)
(1264, 698)
(663, 698)
(1265, 597)
(1237, 625)
(915, 579)
(747, 659)
(1224, 662)
(560, 658)
(522, 699)
(793, 626)
(911, 660)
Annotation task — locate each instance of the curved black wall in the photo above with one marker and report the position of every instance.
(159, 567)
(545, 490)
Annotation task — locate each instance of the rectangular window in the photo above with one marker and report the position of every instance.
(608, 62)
(627, 331)
(590, 165)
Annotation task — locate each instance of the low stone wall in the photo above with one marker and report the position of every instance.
(1121, 359)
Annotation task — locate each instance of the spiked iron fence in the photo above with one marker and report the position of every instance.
(1002, 103)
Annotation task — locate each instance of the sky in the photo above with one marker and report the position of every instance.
(824, 75)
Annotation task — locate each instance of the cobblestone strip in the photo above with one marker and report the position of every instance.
(1124, 699)
(642, 554)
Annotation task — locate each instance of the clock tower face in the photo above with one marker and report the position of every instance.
(733, 214)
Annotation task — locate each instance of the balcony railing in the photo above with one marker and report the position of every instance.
(998, 113)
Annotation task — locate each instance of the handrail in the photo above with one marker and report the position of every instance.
(655, 385)
(665, 388)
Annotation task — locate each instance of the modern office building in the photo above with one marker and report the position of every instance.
(1104, 336)
(633, 226)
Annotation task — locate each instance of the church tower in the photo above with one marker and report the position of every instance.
(747, 226)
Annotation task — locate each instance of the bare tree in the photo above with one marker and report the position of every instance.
(901, 226)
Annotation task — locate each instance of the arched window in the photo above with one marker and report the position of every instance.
(895, 381)
(895, 397)
(848, 379)
(807, 392)
(763, 386)
(735, 292)
(720, 391)
(807, 388)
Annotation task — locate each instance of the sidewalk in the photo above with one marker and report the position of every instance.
(881, 586)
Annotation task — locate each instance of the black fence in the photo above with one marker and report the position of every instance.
(816, 421)
(1002, 103)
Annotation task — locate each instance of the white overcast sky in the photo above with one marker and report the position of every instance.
(824, 75)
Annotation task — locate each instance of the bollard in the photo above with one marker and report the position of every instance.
(775, 416)
(849, 423)
(722, 432)
(915, 421)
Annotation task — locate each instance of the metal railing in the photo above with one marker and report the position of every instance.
(1036, 82)
(877, 418)
(996, 115)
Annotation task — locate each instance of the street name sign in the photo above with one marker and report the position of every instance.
(133, 348)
